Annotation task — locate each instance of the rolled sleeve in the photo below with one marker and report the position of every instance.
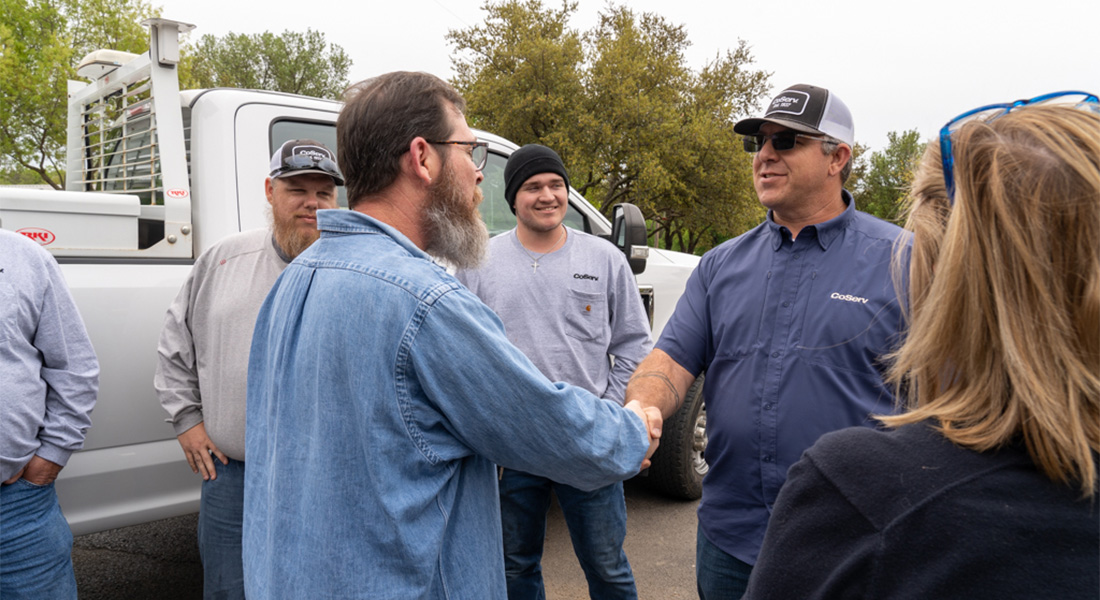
(686, 336)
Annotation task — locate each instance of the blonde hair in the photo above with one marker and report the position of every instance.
(1004, 338)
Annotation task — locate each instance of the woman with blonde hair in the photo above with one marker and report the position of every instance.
(985, 486)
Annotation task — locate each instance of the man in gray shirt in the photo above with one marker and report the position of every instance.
(569, 301)
(204, 346)
(47, 391)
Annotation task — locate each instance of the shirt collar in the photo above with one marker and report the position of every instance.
(825, 232)
(278, 250)
(332, 221)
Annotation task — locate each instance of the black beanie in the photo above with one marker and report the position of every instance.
(527, 162)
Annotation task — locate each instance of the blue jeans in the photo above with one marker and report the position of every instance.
(221, 515)
(597, 526)
(718, 576)
(36, 544)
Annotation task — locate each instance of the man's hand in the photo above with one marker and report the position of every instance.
(651, 416)
(38, 471)
(197, 448)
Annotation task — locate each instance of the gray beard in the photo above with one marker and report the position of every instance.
(452, 225)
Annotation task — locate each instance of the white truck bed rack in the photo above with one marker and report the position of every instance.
(126, 155)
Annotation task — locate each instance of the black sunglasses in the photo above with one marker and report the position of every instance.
(784, 140)
(299, 162)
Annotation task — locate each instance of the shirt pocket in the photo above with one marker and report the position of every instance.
(586, 315)
(847, 327)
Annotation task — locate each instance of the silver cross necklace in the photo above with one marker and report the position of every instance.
(535, 261)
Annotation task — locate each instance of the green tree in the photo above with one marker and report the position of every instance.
(859, 168)
(887, 175)
(41, 41)
(523, 78)
(293, 62)
(631, 120)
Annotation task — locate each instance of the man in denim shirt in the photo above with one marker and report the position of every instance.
(381, 392)
(790, 321)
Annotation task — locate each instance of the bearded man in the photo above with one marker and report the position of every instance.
(203, 349)
(382, 393)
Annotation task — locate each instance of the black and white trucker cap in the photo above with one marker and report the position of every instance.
(296, 157)
(808, 109)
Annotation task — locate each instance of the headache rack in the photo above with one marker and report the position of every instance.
(119, 145)
(126, 136)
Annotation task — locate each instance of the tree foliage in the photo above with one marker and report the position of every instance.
(632, 121)
(41, 41)
(859, 167)
(293, 62)
(887, 175)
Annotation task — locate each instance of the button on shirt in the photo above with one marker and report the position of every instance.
(381, 393)
(790, 334)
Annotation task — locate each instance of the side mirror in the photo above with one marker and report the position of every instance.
(628, 233)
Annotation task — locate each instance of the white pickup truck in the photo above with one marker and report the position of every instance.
(155, 176)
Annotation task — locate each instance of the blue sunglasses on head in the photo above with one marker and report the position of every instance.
(990, 112)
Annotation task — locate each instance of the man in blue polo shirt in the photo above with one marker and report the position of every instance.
(790, 322)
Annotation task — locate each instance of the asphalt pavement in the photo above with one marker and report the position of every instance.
(160, 560)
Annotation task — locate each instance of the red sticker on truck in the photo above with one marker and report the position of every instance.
(44, 237)
(176, 193)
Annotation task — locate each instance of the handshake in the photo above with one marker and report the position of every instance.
(651, 416)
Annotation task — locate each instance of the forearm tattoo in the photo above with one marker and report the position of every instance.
(676, 399)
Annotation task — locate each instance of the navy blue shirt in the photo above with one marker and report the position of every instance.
(790, 334)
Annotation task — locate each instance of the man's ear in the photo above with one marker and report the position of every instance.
(840, 157)
(269, 190)
(422, 160)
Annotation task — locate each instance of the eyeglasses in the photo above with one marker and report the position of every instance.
(990, 112)
(298, 162)
(784, 140)
(479, 151)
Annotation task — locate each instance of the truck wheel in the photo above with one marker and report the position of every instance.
(678, 466)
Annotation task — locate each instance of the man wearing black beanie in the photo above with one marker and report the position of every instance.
(526, 162)
(568, 300)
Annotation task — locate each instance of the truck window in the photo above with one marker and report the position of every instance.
(325, 133)
(130, 164)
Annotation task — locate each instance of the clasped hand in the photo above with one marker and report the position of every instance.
(651, 416)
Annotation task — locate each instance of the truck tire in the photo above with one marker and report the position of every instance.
(678, 465)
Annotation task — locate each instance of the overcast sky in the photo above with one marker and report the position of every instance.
(897, 65)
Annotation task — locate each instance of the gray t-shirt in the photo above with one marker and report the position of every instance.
(202, 362)
(580, 306)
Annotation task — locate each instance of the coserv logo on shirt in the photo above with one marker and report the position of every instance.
(848, 298)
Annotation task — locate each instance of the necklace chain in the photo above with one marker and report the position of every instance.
(535, 261)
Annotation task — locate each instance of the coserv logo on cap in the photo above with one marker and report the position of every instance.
(792, 102)
(312, 151)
